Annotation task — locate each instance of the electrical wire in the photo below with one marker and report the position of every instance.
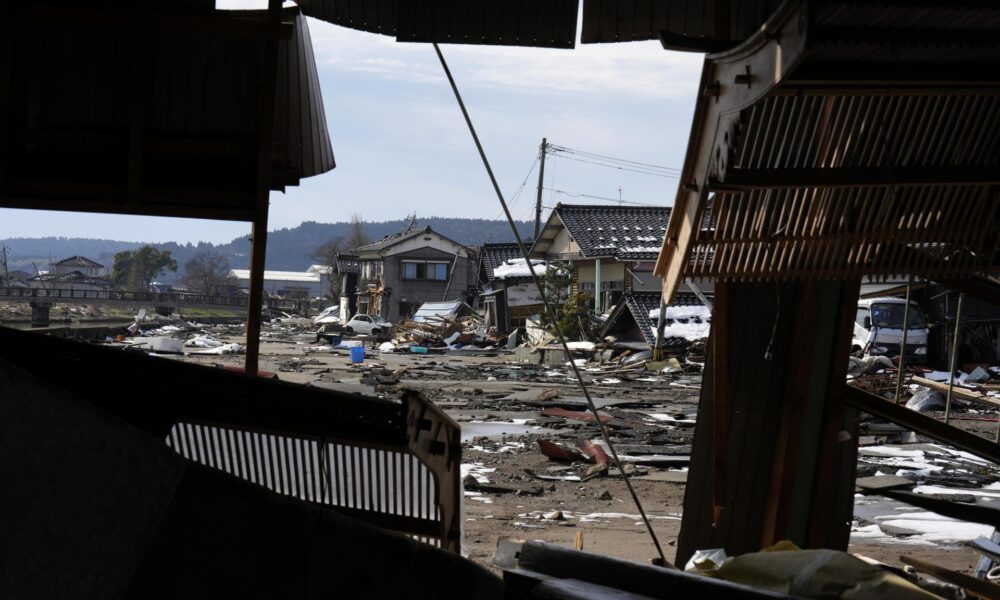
(548, 308)
(611, 159)
(668, 175)
(520, 189)
(579, 195)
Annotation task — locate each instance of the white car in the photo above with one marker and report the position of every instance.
(367, 325)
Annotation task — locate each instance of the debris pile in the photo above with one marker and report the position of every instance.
(441, 332)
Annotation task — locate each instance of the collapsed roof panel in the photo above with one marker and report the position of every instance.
(111, 109)
(693, 25)
(812, 155)
(544, 23)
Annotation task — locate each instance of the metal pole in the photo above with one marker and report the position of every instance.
(954, 357)
(538, 198)
(902, 342)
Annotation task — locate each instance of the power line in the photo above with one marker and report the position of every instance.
(517, 194)
(667, 174)
(612, 159)
(551, 312)
(580, 195)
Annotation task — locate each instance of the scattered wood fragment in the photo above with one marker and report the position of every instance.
(976, 586)
(957, 391)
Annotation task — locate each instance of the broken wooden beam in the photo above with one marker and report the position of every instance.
(963, 393)
(921, 423)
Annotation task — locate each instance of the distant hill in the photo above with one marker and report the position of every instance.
(287, 249)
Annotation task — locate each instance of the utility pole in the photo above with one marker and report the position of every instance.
(538, 199)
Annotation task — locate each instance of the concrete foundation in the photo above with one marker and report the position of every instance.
(40, 313)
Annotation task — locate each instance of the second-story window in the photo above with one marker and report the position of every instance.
(433, 271)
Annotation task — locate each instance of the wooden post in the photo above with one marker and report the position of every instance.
(954, 358)
(541, 181)
(268, 79)
(902, 341)
(597, 286)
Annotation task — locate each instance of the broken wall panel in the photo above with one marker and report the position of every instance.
(780, 427)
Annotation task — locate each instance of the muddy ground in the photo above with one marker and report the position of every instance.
(487, 395)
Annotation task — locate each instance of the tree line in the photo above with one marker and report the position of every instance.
(207, 272)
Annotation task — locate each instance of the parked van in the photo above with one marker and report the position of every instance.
(878, 329)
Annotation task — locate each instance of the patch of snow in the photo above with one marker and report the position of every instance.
(518, 267)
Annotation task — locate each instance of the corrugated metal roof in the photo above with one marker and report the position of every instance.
(679, 24)
(432, 312)
(546, 23)
(109, 109)
(815, 156)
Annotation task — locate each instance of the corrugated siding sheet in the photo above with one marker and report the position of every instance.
(843, 232)
(80, 77)
(302, 142)
(545, 23)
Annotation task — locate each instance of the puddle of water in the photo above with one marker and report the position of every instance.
(496, 429)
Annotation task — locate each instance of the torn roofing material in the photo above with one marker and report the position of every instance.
(433, 312)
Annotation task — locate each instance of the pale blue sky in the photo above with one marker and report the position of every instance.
(401, 145)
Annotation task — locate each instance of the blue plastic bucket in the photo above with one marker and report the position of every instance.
(357, 354)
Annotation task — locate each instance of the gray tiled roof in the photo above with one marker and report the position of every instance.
(624, 232)
(639, 305)
(78, 261)
(493, 255)
(390, 240)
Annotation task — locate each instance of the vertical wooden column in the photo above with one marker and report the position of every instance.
(597, 286)
(774, 447)
(268, 79)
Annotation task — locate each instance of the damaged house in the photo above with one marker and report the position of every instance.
(633, 322)
(398, 273)
(612, 249)
(508, 294)
(73, 273)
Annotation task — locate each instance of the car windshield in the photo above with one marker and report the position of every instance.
(891, 315)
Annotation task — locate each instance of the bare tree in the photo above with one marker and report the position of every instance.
(208, 273)
(326, 255)
(358, 236)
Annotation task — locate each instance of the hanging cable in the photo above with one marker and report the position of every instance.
(579, 195)
(548, 308)
(611, 159)
(668, 175)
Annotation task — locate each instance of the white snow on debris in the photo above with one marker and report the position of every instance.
(678, 313)
(688, 322)
(518, 267)
(931, 527)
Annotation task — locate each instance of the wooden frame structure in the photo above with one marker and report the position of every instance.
(160, 108)
(840, 140)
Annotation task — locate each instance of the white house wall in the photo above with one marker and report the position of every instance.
(610, 271)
